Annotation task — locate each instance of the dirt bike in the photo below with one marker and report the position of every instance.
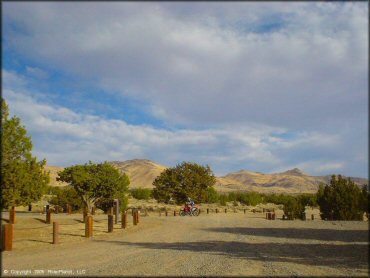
(194, 211)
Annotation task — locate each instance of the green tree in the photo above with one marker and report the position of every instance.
(365, 200)
(94, 182)
(340, 200)
(106, 203)
(24, 179)
(294, 207)
(66, 195)
(185, 180)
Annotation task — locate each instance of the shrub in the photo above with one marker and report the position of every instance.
(294, 207)
(223, 199)
(341, 200)
(211, 196)
(141, 193)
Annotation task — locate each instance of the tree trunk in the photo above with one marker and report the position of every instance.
(12, 215)
(89, 204)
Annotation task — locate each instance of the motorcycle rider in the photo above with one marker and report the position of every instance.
(189, 204)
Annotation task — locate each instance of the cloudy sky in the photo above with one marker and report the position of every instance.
(258, 86)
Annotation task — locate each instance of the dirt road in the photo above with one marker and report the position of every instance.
(213, 245)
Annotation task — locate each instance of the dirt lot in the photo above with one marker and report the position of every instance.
(215, 245)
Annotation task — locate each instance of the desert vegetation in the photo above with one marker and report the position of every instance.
(23, 179)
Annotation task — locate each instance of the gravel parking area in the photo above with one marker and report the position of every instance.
(232, 244)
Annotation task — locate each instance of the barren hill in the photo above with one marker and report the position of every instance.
(53, 171)
(291, 181)
(142, 173)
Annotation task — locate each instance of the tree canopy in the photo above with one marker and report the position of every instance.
(66, 195)
(342, 199)
(185, 180)
(23, 177)
(95, 182)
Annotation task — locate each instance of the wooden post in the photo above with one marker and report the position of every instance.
(110, 223)
(312, 217)
(225, 210)
(29, 207)
(216, 210)
(69, 209)
(124, 220)
(55, 233)
(89, 225)
(138, 216)
(207, 210)
(12, 216)
(244, 211)
(115, 214)
(273, 216)
(116, 201)
(93, 210)
(174, 213)
(48, 217)
(166, 213)
(134, 218)
(7, 235)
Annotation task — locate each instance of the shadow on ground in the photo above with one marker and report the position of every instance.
(40, 220)
(348, 256)
(306, 233)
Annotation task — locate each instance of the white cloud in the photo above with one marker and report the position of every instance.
(65, 137)
(218, 66)
(204, 69)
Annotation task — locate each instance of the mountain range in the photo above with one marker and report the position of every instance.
(142, 173)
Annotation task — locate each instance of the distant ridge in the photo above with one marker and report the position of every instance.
(294, 172)
(142, 173)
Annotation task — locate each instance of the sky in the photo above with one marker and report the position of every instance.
(264, 87)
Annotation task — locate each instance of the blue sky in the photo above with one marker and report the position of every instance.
(258, 86)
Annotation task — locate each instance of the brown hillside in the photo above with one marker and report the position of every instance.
(141, 172)
(53, 171)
